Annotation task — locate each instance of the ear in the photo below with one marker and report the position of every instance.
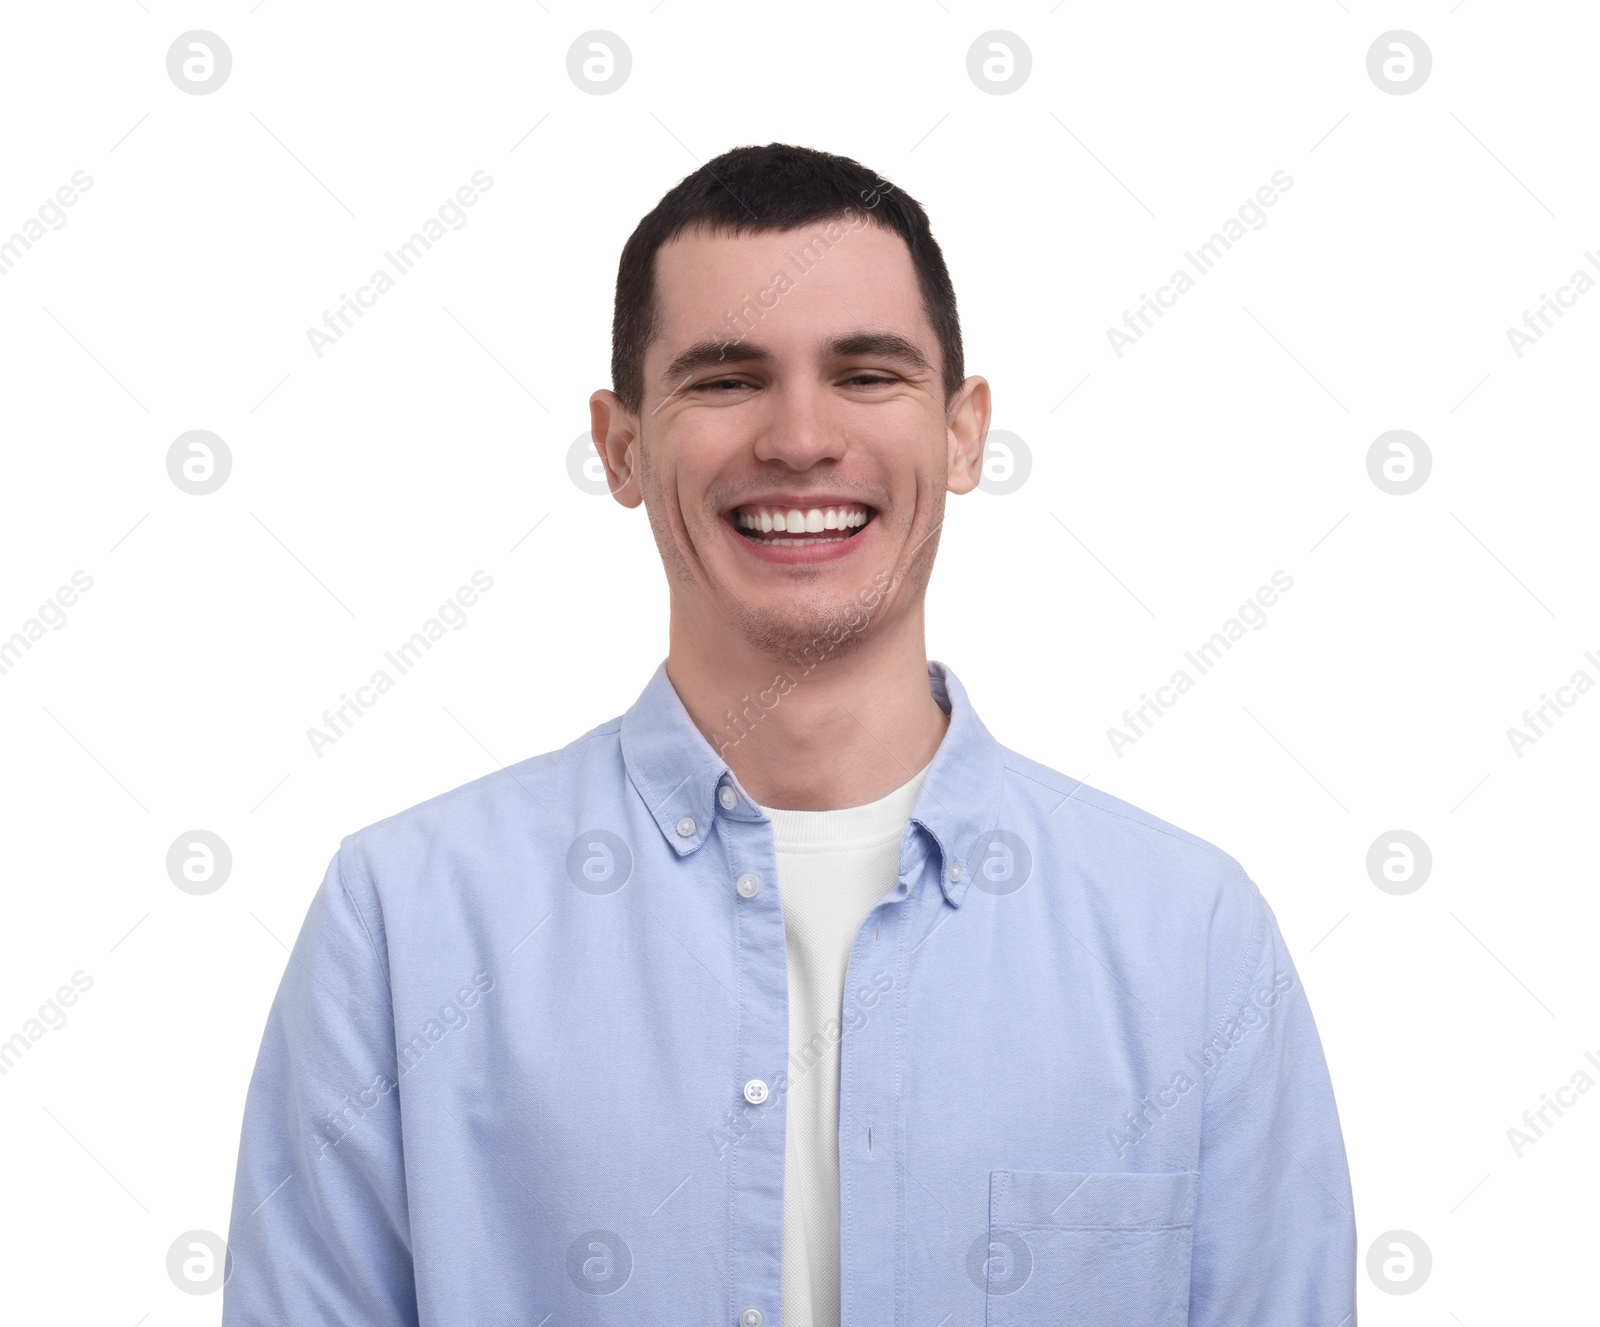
(966, 427)
(615, 431)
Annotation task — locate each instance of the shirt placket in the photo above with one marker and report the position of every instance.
(871, 1106)
(756, 1092)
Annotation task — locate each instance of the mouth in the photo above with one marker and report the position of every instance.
(780, 525)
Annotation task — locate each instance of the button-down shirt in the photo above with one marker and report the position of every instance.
(527, 1064)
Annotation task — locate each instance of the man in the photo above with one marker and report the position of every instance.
(790, 996)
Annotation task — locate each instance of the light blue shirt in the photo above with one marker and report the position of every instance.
(527, 1064)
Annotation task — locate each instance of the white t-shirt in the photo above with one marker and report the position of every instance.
(833, 866)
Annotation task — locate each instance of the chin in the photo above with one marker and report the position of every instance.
(805, 638)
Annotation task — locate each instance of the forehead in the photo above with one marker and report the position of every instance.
(788, 286)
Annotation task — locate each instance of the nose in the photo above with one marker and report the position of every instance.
(798, 433)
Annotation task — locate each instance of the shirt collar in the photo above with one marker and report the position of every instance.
(678, 775)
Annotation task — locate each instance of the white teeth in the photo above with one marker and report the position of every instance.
(792, 520)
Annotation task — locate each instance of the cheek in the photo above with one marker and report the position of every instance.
(700, 462)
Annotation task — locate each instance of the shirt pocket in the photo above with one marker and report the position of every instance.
(1097, 1249)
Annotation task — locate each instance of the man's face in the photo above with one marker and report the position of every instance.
(794, 448)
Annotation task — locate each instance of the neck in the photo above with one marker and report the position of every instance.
(849, 731)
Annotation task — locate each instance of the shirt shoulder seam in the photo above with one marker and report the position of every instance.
(1255, 949)
(1177, 835)
(366, 930)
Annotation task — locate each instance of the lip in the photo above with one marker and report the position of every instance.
(799, 554)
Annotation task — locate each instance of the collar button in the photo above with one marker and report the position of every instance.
(686, 827)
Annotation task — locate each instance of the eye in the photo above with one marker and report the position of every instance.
(870, 379)
(720, 386)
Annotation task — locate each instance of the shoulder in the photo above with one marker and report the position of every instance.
(1121, 856)
(469, 821)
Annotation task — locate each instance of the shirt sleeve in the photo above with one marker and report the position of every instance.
(1274, 1233)
(319, 1232)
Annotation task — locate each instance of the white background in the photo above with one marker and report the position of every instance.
(1167, 485)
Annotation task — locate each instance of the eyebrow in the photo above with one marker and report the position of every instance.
(883, 345)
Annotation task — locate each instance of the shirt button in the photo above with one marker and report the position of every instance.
(748, 885)
(955, 871)
(727, 797)
(751, 1318)
(686, 826)
(755, 1092)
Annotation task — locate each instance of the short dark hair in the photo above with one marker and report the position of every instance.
(748, 190)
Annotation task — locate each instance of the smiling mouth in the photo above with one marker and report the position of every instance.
(783, 526)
